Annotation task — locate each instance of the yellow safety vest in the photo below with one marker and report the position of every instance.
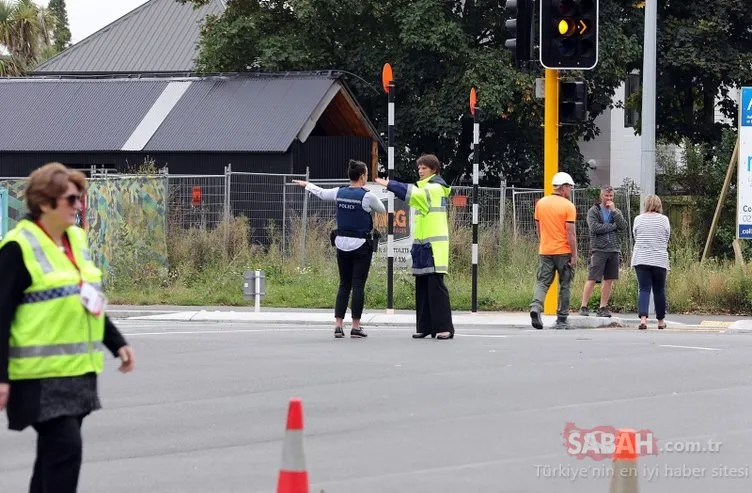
(430, 250)
(52, 334)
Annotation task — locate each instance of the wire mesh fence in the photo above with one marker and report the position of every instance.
(523, 215)
(279, 211)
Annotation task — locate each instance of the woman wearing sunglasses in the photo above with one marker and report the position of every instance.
(53, 329)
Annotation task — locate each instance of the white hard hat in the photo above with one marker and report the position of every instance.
(562, 178)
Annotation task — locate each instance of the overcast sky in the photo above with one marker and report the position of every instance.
(86, 17)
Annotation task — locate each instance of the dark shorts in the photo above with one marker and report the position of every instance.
(603, 266)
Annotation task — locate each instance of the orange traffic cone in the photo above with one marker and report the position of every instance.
(624, 479)
(293, 477)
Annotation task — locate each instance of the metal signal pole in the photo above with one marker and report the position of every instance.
(476, 166)
(388, 83)
(551, 163)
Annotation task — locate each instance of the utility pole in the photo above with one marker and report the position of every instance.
(647, 116)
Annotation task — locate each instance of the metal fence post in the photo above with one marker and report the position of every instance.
(629, 220)
(502, 205)
(228, 179)
(514, 214)
(304, 223)
(285, 250)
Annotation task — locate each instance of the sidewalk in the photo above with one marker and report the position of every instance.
(406, 318)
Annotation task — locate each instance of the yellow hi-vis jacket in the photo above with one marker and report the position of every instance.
(429, 197)
(52, 334)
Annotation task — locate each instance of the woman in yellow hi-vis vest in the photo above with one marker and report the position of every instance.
(53, 330)
(430, 250)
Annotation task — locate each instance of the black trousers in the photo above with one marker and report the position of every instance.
(432, 307)
(353, 274)
(59, 453)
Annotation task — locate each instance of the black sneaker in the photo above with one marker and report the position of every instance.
(339, 333)
(358, 333)
(603, 312)
(536, 320)
(584, 312)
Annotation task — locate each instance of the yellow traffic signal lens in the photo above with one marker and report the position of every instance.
(564, 27)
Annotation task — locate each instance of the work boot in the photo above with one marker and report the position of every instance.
(535, 319)
(562, 324)
(603, 312)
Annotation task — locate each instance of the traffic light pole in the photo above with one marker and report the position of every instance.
(647, 117)
(551, 161)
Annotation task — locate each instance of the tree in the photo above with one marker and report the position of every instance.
(704, 51)
(25, 34)
(439, 49)
(61, 33)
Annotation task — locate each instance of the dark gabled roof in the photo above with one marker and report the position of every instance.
(238, 112)
(158, 36)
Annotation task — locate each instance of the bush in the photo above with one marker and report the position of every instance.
(206, 267)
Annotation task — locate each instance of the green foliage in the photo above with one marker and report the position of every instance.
(699, 173)
(702, 53)
(61, 32)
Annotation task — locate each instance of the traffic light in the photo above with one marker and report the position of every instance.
(572, 101)
(569, 34)
(520, 26)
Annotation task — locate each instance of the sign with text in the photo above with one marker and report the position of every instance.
(403, 227)
(744, 167)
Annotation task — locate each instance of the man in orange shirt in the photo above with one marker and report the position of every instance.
(554, 222)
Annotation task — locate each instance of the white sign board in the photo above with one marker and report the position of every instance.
(404, 218)
(744, 168)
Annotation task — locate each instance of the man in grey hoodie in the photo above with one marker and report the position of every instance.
(605, 221)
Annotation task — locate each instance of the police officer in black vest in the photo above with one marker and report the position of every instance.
(355, 240)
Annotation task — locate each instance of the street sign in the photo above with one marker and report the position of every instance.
(744, 167)
(403, 228)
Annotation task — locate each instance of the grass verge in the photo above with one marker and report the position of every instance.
(206, 267)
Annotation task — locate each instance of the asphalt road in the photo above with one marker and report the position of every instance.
(206, 408)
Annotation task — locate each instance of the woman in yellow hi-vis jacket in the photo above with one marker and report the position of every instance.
(53, 329)
(430, 250)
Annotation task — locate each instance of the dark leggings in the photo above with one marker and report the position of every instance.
(353, 274)
(59, 453)
(651, 278)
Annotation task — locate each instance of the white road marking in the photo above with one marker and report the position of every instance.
(691, 347)
(479, 335)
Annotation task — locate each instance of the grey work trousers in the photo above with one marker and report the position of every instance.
(548, 265)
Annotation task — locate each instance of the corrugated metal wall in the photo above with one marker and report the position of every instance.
(327, 157)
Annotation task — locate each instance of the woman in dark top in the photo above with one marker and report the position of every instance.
(54, 406)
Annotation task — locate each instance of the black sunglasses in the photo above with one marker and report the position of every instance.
(72, 199)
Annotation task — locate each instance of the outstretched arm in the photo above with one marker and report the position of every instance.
(415, 197)
(323, 194)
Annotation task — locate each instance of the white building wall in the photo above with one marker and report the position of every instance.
(625, 147)
(615, 153)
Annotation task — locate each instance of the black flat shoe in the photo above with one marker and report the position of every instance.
(450, 336)
(422, 335)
